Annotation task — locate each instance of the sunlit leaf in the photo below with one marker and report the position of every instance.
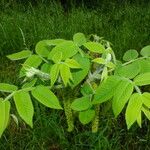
(24, 106)
(94, 47)
(4, 115)
(86, 116)
(142, 79)
(106, 89)
(145, 51)
(4, 87)
(20, 55)
(46, 97)
(79, 39)
(121, 96)
(81, 104)
(130, 55)
(133, 109)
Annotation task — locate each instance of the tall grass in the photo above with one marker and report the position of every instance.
(126, 26)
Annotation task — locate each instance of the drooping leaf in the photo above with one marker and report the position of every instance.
(42, 48)
(146, 99)
(121, 96)
(106, 89)
(81, 104)
(32, 61)
(4, 87)
(68, 49)
(146, 112)
(79, 74)
(54, 73)
(4, 115)
(139, 119)
(133, 109)
(130, 55)
(72, 63)
(46, 97)
(29, 84)
(142, 79)
(65, 74)
(79, 39)
(20, 55)
(24, 106)
(145, 51)
(95, 47)
(86, 116)
(129, 71)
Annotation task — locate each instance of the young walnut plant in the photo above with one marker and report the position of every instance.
(77, 77)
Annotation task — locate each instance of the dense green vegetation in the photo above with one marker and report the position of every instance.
(22, 26)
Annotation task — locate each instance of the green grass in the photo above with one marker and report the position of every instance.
(126, 26)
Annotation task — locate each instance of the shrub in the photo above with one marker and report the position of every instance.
(77, 76)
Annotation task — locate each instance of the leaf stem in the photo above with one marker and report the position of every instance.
(138, 89)
(134, 60)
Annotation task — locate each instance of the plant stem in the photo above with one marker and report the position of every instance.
(138, 89)
(133, 60)
(69, 115)
(95, 123)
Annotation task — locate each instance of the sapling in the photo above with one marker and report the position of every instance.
(77, 76)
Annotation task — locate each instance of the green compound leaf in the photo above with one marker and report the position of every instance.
(79, 39)
(121, 96)
(24, 106)
(80, 74)
(95, 47)
(4, 87)
(54, 73)
(32, 61)
(20, 55)
(145, 51)
(133, 109)
(128, 71)
(72, 63)
(81, 104)
(86, 116)
(130, 55)
(67, 48)
(4, 115)
(65, 74)
(142, 79)
(46, 97)
(146, 99)
(106, 90)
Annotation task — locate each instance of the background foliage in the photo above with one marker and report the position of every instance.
(124, 23)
